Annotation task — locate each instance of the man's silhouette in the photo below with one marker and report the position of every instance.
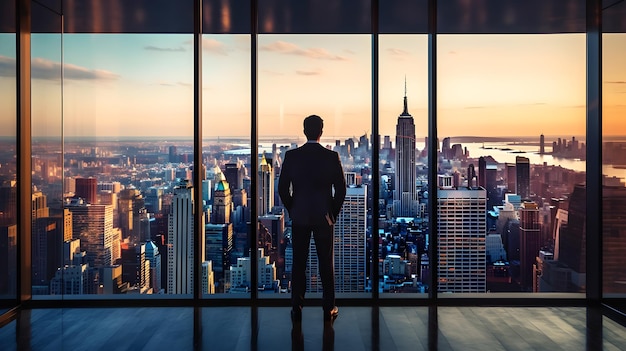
(312, 187)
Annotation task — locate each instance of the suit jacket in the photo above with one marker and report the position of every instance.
(312, 184)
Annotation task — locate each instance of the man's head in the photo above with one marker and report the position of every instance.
(313, 126)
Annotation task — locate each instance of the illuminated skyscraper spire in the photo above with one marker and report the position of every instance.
(405, 195)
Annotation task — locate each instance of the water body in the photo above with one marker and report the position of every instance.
(532, 153)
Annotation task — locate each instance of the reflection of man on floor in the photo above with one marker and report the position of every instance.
(312, 187)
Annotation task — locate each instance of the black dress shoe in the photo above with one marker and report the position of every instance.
(331, 315)
(296, 316)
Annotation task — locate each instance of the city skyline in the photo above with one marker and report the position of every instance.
(135, 84)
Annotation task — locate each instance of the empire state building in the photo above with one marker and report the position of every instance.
(405, 196)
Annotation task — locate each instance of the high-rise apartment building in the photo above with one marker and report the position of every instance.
(265, 187)
(180, 240)
(462, 229)
(350, 241)
(522, 171)
(222, 203)
(93, 225)
(530, 242)
(154, 257)
(349, 244)
(405, 196)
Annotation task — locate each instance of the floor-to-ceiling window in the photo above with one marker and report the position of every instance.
(511, 121)
(8, 189)
(511, 132)
(613, 157)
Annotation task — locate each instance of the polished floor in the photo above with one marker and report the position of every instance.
(357, 328)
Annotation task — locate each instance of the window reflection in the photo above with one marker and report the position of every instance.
(614, 166)
(8, 180)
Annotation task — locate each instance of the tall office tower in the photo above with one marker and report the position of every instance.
(180, 240)
(222, 203)
(349, 244)
(265, 187)
(462, 226)
(232, 172)
(8, 259)
(613, 239)
(93, 225)
(131, 205)
(350, 241)
(511, 177)
(136, 267)
(87, 189)
(522, 171)
(173, 154)
(154, 199)
(39, 238)
(208, 278)
(491, 185)
(8, 203)
(405, 196)
(240, 274)
(530, 242)
(154, 258)
(446, 151)
(542, 144)
(386, 142)
(482, 172)
(472, 179)
(219, 247)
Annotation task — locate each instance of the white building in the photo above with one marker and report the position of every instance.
(240, 274)
(462, 227)
(180, 243)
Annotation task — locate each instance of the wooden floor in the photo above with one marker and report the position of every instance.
(357, 328)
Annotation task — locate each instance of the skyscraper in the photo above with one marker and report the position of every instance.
(93, 225)
(350, 240)
(180, 240)
(522, 170)
(462, 227)
(530, 242)
(265, 187)
(222, 203)
(405, 195)
(349, 245)
(154, 257)
(87, 189)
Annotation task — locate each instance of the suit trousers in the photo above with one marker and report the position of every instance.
(323, 235)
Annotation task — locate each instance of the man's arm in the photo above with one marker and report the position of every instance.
(284, 182)
(339, 183)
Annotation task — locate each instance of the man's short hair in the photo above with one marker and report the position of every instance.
(313, 127)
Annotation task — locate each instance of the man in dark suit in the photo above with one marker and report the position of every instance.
(312, 187)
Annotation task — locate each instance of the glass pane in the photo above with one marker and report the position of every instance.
(8, 179)
(614, 167)
(328, 76)
(511, 120)
(48, 229)
(403, 161)
(128, 154)
(226, 153)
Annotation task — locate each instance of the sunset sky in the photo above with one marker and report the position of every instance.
(141, 85)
